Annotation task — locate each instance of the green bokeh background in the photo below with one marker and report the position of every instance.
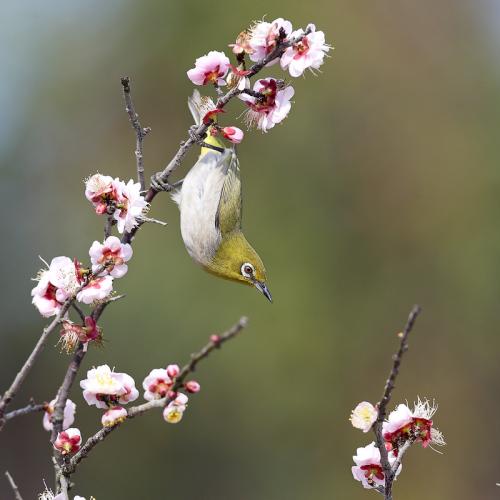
(379, 190)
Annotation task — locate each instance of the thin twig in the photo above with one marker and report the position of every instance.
(32, 407)
(389, 473)
(138, 410)
(28, 364)
(140, 132)
(108, 227)
(13, 485)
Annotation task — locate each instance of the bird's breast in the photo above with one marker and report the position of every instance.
(198, 202)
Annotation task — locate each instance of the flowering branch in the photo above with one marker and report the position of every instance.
(390, 471)
(13, 485)
(196, 136)
(216, 342)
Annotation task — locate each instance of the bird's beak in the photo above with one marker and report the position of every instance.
(263, 289)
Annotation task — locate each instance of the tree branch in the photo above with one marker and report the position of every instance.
(140, 132)
(13, 485)
(135, 411)
(389, 473)
(32, 407)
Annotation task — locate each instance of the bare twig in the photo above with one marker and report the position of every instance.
(28, 364)
(32, 407)
(389, 472)
(215, 343)
(110, 222)
(140, 132)
(13, 485)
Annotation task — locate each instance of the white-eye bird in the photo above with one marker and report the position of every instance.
(210, 206)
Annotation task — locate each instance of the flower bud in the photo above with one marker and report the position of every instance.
(192, 386)
(173, 370)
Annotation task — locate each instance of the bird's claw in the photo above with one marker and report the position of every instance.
(158, 184)
(193, 133)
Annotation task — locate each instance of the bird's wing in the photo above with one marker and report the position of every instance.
(199, 106)
(228, 215)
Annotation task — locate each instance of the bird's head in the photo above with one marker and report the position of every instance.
(236, 260)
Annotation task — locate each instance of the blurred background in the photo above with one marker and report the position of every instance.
(380, 190)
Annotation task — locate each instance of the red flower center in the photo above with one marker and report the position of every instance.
(372, 470)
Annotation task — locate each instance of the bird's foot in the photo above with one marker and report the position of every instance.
(159, 185)
(195, 137)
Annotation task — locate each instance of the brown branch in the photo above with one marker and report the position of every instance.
(138, 410)
(389, 472)
(28, 364)
(140, 132)
(32, 407)
(13, 485)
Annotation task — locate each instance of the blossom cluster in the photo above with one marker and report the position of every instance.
(268, 103)
(403, 425)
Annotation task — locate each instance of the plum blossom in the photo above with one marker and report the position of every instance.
(157, 384)
(69, 415)
(113, 254)
(55, 285)
(173, 370)
(192, 386)
(114, 416)
(368, 468)
(100, 191)
(404, 424)
(68, 441)
(234, 134)
(309, 52)
(174, 411)
(363, 416)
(98, 288)
(210, 69)
(238, 78)
(242, 44)
(104, 387)
(264, 37)
(272, 108)
(130, 206)
(72, 333)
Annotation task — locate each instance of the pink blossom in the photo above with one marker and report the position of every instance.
(114, 416)
(272, 108)
(104, 387)
(308, 53)
(130, 205)
(68, 441)
(174, 411)
(69, 414)
(113, 254)
(173, 370)
(72, 333)
(368, 468)
(192, 386)
(234, 134)
(242, 44)
(416, 425)
(211, 68)
(100, 192)
(55, 285)
(98, 288)
(264, 37)
(157, 384)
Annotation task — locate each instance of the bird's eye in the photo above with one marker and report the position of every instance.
(247, 270)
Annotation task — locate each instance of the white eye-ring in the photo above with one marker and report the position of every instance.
(247, 270)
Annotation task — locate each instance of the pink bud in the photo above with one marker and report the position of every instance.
(171, 394)
(192, 386)
(215, 339)
(234, 134)
(173, 370)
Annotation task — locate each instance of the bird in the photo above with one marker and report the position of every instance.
(209, 201)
